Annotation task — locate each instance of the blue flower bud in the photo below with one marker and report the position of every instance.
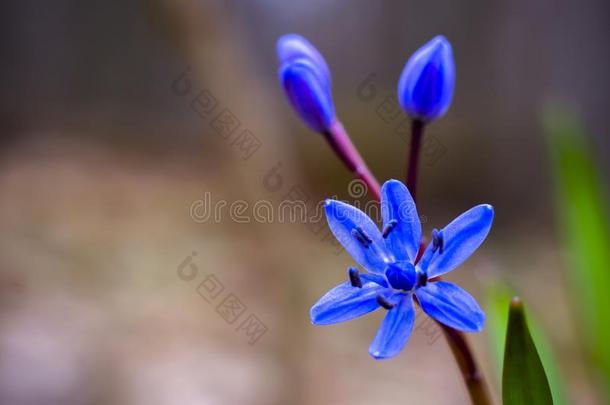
(293, 46)
(427, 81)
(306, 81)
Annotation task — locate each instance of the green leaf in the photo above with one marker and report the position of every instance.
(498, 298)
(524, 381)
(582, 213)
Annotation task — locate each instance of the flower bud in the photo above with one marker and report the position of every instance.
(293, 46)
(427, 81)
(304, 76)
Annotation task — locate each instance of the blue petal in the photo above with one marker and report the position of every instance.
(343, 219)
(305, 86)
(395, 330)
(460, 239)
(374, 278)
(345, 302)
(398, 205)
(451, 305)
(293, 46)
(427, 81)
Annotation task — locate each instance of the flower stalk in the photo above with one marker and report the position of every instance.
(342, 145)
(417, 132)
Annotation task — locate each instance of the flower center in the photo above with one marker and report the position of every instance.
(401, 275)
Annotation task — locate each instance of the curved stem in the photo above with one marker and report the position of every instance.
(417, 132)
(341, 143)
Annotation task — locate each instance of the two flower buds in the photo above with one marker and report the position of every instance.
(425, 88)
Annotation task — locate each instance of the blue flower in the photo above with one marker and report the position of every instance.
(425, 88)
(393, 275)
(306, 80)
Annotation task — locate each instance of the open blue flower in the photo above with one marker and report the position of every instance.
(394, 275)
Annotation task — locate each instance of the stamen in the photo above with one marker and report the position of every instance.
(438, 242)
(354, 277)
(422, 278)
(383, 301)
(389, 227)
(362, 237)
(359, 238)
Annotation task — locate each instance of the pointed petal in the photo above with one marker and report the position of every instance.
(374, 278)
(345, 302)
(342, 220)
(398, 205)
(460, 239)
(451, 305)
(395, 330)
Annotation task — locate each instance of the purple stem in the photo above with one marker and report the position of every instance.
(417, 132)
(341, 143)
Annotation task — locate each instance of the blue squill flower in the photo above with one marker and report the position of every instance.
(425, 88)
(305, 77)
(394, 276)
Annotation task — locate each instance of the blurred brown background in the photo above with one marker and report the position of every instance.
(101, 162)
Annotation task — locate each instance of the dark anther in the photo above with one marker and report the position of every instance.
(391, 225)
(359, 238)
(354, 277)
(362, 237)
(381, 300)
(422, 279)
(437, 241)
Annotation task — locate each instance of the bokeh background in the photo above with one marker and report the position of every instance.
(104, 155)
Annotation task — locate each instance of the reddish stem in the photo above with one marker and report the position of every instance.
(417, 132)
(341, 143)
